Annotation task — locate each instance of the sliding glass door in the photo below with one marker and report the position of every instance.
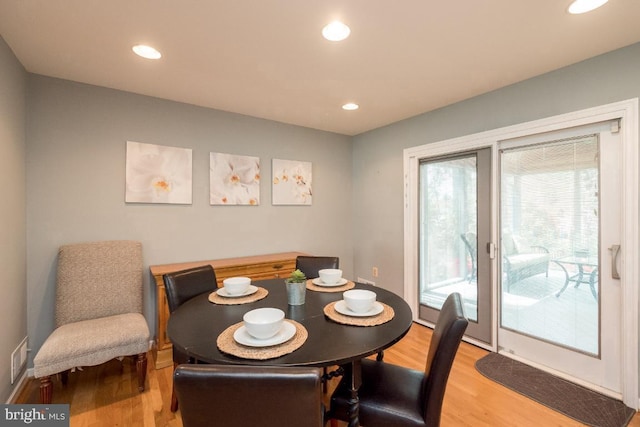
(550, 241)
(454, 231)
(554, 205)
(560, 199)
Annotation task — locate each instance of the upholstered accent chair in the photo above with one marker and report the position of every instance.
(180, 287)
(392, 395)
(521, 260)
(98, 312)
(245, 395)
(310, 265)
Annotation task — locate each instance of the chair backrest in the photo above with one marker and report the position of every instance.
(445, 341)
(310, 265)
(244, 395)
(98, 279)
(512, 244)
(181, 286)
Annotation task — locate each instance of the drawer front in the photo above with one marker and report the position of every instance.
(257, 271)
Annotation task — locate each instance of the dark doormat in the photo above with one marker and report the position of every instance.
(577, 402)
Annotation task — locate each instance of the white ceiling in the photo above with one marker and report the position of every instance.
(267, 58)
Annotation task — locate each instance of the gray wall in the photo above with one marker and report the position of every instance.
(13, 304)
(74, 187)
(378, 162)
(76, 178)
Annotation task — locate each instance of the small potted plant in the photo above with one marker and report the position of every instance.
(296, 285)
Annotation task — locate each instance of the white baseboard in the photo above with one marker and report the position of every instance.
(18, 387)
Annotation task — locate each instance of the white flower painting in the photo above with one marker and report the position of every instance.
(291, 182)
(158, 174)
(234, 180)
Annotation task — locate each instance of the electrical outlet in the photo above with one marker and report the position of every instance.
(375, 272)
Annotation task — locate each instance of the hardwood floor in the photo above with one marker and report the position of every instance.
(107, 395)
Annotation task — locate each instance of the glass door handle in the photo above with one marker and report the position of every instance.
(615, 251)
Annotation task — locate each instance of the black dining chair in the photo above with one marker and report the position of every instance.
(245, 395)
(180, 287)
(310, 265)
(392, 395)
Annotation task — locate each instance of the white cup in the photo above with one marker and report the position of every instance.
(236, 285)
(263, 323)
(359, 300)
(330, 276)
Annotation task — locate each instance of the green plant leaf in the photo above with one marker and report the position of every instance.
(297, 276)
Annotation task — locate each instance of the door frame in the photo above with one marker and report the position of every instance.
(627, 111)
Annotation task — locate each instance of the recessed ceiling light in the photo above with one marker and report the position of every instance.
(350, 106)
(583, 6)
(336, 31)
(146, 51)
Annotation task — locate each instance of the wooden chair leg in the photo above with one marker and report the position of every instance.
(64, 377)
(325, 379)
(174, 396)
(46, 390)
(141, 370)
(174, 400)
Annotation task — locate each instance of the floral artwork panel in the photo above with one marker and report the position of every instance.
(158, 174)
(234, 180)
(291, 182)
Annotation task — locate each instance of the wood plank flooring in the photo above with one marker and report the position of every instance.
(106, 395)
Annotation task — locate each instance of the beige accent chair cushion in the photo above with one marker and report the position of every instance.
(92, 342)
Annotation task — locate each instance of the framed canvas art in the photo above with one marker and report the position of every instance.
(291, 184)
(234, 180)
(158, 174)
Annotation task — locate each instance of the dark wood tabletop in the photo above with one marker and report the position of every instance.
(195, 326)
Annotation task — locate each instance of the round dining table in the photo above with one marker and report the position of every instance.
(195, 326)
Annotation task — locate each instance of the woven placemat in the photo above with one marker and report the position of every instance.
(256, 296)
(386, 315)
(227, 344)
(313, 287)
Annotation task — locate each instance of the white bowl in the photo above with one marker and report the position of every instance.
(330, 276)
(263, 323)
(359, 300)
(236, 285)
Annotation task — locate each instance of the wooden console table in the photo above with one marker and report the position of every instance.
(256, 267)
